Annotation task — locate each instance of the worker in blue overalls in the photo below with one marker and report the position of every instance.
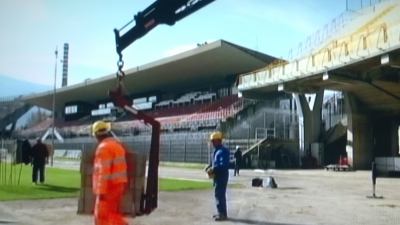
(219, 170)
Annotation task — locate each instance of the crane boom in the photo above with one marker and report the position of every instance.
(160, 12)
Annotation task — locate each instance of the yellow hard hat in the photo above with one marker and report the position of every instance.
(216, 136)
(101, 127)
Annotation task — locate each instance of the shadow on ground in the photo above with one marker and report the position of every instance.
(289, 188)
(55, 188)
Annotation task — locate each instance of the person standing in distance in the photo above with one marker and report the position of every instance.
(40, 153)
(238, 160)
(220, 170)
(109, 176)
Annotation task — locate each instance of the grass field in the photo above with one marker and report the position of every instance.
(183, 165)
(62, 183)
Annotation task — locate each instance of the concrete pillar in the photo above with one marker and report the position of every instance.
(360, 140)
(386, 136)
(309, 121)
(293, 125)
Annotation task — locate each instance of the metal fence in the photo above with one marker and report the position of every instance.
(10, 172)
(182, 147)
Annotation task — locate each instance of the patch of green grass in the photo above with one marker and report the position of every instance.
(59, 183)
(183, 165)
(167, 184)
(62, 183)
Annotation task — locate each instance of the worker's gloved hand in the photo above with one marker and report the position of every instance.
(210, 173)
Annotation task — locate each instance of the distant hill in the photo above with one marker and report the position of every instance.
(13, 87)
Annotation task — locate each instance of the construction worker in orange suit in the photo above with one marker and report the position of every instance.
(109, 176)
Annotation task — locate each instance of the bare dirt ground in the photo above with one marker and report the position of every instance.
(303, 197)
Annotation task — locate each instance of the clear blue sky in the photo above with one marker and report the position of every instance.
(31, 30)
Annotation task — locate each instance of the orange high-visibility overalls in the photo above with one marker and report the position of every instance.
(109, 182)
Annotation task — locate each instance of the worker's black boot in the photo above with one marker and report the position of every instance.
(220, 218)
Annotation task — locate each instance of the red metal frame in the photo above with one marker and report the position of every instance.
(150, 197)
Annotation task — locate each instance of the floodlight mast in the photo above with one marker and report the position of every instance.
(160, 12)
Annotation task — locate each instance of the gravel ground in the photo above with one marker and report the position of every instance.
(302, 197)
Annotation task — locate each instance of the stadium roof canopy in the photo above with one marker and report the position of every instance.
(207, 64)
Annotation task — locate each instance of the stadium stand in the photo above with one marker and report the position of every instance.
(39, 128)
(11, 109)
(188, 110)
(351, 37)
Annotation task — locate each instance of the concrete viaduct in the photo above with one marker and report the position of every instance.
(361, 58)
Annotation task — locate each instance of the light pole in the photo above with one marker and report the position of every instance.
(54, 106)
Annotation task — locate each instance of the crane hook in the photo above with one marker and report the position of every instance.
(120, 64)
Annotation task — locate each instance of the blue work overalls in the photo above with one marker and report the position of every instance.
(221, 171)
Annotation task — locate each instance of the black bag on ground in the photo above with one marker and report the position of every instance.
(257, 182)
